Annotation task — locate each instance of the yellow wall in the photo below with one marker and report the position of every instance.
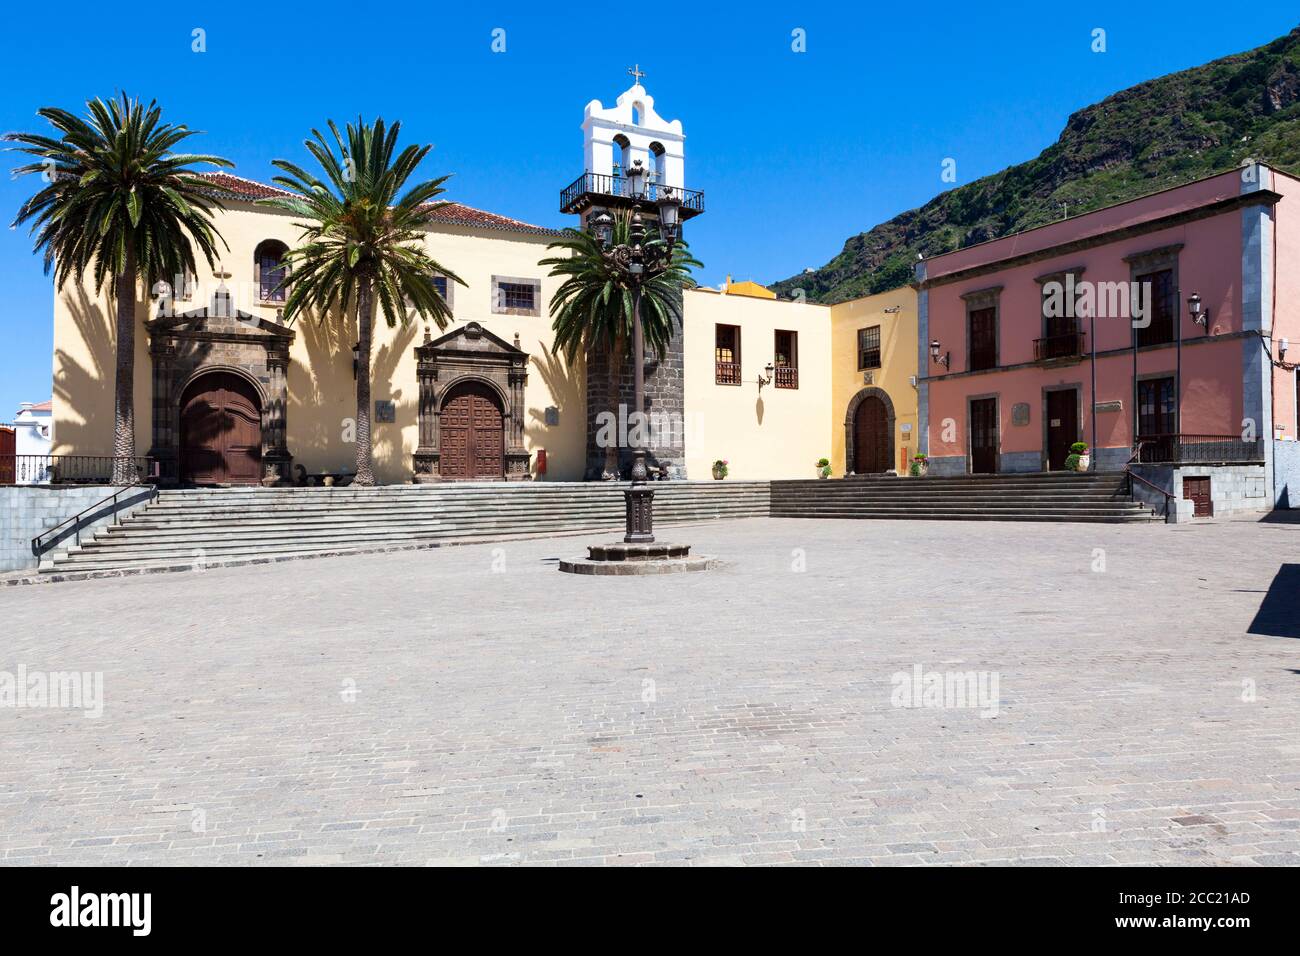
(321, 387)
(775, 433)
(897, 365)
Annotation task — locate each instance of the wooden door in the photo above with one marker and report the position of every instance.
(8, 461)
(221, 431)
(1157, 414)
(873, 442)
(472, 434)
(1197, 491)
(984, 436)
(1062, 412)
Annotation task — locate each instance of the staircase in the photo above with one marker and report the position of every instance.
(184, 528)
(1046, 496)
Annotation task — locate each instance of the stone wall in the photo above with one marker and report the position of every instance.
(665, 395)
(1234, 489)
(29, 510)
(1286, 474)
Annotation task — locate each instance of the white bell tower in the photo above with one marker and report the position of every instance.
(614, 138)
(630, 135)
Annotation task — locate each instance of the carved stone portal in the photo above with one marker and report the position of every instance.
(470, 354)
(219, 338)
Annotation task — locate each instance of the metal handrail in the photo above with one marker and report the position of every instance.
(1128, 470)
(39, 547)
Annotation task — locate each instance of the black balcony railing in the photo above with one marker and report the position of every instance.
(787, 376)
(1197, 449)
(64, 469)
(1067, 345)
(589, 188)
(728, 373)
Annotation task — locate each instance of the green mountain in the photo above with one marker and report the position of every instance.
(1158, 134)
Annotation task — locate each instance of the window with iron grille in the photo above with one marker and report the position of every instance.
(786, 359)
(869, 348)
(515, 296)
(726, 354)
(983, 338)
(1164, 305)
(268, 261)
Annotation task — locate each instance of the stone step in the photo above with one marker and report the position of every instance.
(978, 516)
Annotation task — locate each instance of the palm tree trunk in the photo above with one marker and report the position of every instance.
(611, 471)
(365, 323)
(124, 471)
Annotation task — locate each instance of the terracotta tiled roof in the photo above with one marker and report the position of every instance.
(44, 406)
(453, 213)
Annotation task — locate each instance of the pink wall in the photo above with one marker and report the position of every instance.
(1209, 263)
(1286, 300)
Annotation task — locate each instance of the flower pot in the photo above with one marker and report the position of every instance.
(1084, 461)
(719, 472)
(918, 469)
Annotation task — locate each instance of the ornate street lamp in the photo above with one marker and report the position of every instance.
(639, 261)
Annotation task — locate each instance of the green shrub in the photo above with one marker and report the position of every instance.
(1079, 448)
(1072, 463)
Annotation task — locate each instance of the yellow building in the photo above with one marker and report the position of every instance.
(873, 382)
(226, 393)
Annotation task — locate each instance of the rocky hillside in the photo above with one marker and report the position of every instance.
(1151, 136)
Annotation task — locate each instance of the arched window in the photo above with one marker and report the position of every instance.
(638, 111)
(270, 269)
(657, 151)
(622, 159)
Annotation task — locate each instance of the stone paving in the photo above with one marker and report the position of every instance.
(475, 706)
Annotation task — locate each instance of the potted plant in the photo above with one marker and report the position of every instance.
(823, 467)
(720, 469)
(1078, 459)
(919, 466)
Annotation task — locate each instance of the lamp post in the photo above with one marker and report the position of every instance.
(638, 262)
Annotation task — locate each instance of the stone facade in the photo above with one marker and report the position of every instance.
(219, 338)
(1286, 474)
(665, 401)
(1233, 488)
(470, 353)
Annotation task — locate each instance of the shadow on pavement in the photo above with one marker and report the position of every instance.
(1279, 613)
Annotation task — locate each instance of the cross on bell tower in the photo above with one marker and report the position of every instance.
(636, 74)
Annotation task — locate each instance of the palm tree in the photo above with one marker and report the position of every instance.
(362, 244)
(594, 307)
(119, 202)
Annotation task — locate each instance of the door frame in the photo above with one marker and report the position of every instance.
(503, 406)
(850, 421)
(970, 433)
(1077, 388)
(263, 414)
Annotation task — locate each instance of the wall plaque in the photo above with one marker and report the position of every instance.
(1115, 406)
(552, 415)
(1020, 413)
(385, 411)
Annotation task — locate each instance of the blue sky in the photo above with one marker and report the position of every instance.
(795, 151)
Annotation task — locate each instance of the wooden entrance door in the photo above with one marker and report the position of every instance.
(221, 431)
(1062, 413)
(873, 440)
(984, 436)
(8, 461)
(1197, 491)
(472, 434)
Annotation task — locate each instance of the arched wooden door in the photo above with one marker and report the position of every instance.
(472, 436)
(221, 431)
(873, 440)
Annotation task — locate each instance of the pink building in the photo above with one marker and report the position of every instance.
(1156, 328)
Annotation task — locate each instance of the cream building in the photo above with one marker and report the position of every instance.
(226, 393)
